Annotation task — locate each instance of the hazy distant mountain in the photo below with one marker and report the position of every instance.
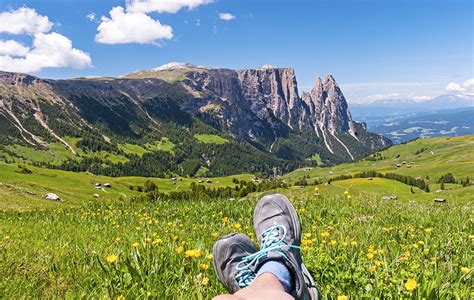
(401, 107)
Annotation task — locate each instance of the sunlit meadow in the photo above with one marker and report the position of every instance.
(355, 246)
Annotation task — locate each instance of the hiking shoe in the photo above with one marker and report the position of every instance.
(278, 230)
(228, 256)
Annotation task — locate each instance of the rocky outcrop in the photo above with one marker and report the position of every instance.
(261, 106)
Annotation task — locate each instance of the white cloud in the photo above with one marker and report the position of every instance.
(13, 48)
(91, 17)
(465, 87)
(127, 27)
(51, 50)
(162, 6)
(378, 97)
(198, 22)
(24, 20)
(226, 16)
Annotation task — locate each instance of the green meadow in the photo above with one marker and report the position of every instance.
(356, 244)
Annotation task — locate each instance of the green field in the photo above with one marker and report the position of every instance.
(210, 139)
(355, 243)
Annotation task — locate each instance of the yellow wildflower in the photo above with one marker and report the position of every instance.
(325, 234)
(370, 255)
(237, 226)
(465, 270)
(157, 241)
(209, 256)
(180, 249)
(372, 268)
(353, 243)
(381, 251)
(410, 284)
(345, 244)
(225, 219)
(112, 258)
(117, 239)
(193, 253)
(205, 281)
(426, 251)
(346, 192)
(203, 266)
(121, 297)
(214, 234)
(378, 262)
(349, 196)
(135, 245)
(342, 297)
(333, 242)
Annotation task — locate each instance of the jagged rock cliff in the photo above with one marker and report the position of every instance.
(260, 106)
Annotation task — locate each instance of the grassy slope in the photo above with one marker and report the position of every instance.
(210, 139)
(62, 252)
(442, 155)
(78, 188)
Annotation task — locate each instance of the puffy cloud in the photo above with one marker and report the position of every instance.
(91, 17)
(162, 6)
(226, 16)
(51, 50)
(13, 48)
(131, 27)
(24, 20)
(465, 87)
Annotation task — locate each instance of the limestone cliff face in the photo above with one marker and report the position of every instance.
(269, 106)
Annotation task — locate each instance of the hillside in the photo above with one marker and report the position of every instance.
(116, 126)
(427, 158)
(126, 242)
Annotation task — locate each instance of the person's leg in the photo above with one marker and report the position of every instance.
(265, 286)
(276, 271)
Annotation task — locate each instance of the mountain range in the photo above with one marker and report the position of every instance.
(404, 119)
(259, 113)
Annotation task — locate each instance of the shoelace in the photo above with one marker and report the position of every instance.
(270, 242)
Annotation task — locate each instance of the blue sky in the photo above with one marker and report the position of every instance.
(374, 48)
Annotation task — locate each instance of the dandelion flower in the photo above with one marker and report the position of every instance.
(215, 234)
(209, 256)
(180, 249)
(372, 268)
(136, 245)
(112, 258)
(237, 226)
(205, 281)
(193, 253)
(325, 234)
(410, 284)
(342, 297)
(225, 219)
(333, 242)
(465, 270)
(370, 255)
(203, 266)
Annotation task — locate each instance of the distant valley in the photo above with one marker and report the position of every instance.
(404, 120)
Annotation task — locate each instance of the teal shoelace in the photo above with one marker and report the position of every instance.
(272, 240)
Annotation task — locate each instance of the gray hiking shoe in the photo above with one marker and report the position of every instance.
(228, 257)
(278, 230)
